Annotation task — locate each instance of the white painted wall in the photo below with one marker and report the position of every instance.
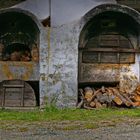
(62, 11)
(59, 82)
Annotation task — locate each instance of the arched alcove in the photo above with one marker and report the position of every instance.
(110, 22)
(109, 39)
(17, 33)
(17, 93)
(19, 49)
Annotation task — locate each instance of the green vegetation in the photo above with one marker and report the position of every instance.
(71, 118)
(54, 114)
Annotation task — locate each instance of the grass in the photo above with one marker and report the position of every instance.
(69, 119)
(54, 114)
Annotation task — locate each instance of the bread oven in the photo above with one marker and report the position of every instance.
(19, 59)
(108, 46)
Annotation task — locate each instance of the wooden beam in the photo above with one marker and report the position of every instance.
(13, 86)
(110, 50)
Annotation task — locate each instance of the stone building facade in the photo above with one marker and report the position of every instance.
(99, 45)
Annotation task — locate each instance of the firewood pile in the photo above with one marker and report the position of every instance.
(90, 98)
(20, 55)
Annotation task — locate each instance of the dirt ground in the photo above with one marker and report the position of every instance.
(128, 130)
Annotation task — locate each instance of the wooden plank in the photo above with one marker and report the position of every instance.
(109, 43)
(110, 50)
(11, 103)
(29, 103)
(17, 93)
(108, 57)
(90, 57)
(14, 96)
(127, 57)
(125, 44)
(13, 86)
(22, 96)
(3, 102)
(109, 37)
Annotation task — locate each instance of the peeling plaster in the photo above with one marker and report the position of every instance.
(58, 67)
(63, 72)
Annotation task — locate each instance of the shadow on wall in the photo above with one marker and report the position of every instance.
(9, 3)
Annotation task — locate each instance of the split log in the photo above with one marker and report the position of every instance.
(81, 93)
(87, 107)
(80, 104)
(138, 92)
(109, 91)
(104, 105)
(97, 104)
(95, 94)
(92, 104)
(117, 100)
(116, 96)
(88, 93)
(136, 98)
(103, 98)
(99, 97)
(127, 98)
(116, 92)
(136, 104)
(107, 97)
(138, 88)
(103, 89)
(81, 98)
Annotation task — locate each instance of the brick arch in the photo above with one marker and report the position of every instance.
(130, 13)
(25, 13)
(89, 59)
(111, 7)
(42, 43)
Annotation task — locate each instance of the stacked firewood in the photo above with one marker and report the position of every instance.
(20, 55)
(136, 97)
(91, 98)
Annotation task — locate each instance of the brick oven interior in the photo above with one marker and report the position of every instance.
(19, 57)
(108, 43)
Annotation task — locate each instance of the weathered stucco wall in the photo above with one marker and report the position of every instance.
(128, 75)
(43, 67)
(63, 69)
(62, 84)
(19, 70)
(58, 66)
(29, 71)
